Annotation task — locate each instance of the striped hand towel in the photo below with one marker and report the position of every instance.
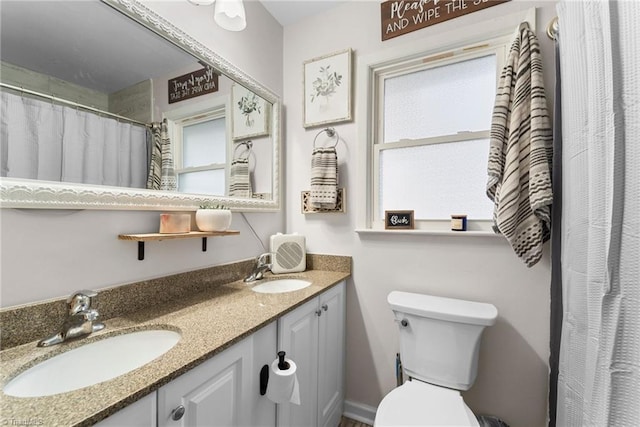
(162, 175)
(240, 179)
(324, 178)
(521, 152)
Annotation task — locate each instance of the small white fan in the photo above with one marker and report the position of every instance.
(288, 253)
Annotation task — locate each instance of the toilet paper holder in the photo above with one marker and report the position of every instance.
(264, 372)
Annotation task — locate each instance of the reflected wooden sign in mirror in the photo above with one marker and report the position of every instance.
(88, 123)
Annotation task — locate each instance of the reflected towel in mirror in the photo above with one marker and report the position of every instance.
(239, 178)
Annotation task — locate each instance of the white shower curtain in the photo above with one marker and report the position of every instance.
(599, 369)
(44, 141)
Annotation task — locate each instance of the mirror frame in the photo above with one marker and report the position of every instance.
(25, 193)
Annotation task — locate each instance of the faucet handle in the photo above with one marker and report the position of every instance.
(80, 301)
(262, 259)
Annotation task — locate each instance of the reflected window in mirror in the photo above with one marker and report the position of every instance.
(201, 152)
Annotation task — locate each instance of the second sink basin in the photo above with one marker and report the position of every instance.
(92, 363)
(278, 286)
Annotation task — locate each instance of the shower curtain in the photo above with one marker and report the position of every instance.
(44, 141)
(599, 367)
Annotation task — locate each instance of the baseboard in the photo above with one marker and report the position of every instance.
(359, 412)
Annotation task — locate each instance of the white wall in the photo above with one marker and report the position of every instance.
(512, 382)
(49, 254)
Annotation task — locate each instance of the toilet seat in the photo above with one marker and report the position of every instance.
(417, 403)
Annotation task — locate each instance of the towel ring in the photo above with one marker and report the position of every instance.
(331, 132)
(248, 144)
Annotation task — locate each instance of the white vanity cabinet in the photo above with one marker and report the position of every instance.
(223, 391)
(142, 413)
(313, 337)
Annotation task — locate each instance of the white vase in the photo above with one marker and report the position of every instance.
(213, 219)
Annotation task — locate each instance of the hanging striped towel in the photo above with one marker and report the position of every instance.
(521, 152)
(162, 175)
(239, 178)
(324, 178)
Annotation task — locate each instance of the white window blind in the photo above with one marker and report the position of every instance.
(440, 101)
(204, 143)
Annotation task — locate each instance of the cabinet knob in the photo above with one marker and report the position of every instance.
(325, 307)
(318, 313)
(178, 413)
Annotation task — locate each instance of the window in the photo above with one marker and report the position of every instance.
(201, 152)
(432, 119)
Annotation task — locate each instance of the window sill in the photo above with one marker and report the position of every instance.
(417, 232)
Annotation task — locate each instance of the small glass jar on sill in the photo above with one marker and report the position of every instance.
(458, 223)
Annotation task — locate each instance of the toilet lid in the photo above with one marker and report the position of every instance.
(416, 403)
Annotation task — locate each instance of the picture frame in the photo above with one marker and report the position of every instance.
(398, 220)
(249, 113)
(327, 89)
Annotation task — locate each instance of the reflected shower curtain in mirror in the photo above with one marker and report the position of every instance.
(162, 174)
(44, 141)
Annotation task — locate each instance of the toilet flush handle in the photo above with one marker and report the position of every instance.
(403, 323)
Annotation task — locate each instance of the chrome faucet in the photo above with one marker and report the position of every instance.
(261, 267)
(80, 322)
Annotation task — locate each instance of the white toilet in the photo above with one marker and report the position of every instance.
(439, 343)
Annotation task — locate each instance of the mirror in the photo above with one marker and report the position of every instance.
(164, 90)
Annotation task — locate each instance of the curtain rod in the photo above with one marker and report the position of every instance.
(71, 103)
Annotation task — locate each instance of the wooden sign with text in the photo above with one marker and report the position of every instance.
(404, 16)
(193, 84)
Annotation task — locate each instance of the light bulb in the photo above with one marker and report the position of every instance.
(230, 15)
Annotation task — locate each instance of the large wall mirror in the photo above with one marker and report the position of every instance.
(107, 105)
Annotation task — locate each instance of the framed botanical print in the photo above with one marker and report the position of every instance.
(250, 113)
(327, 89)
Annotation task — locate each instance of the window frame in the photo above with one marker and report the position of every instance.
(497, 46)
(495, 26)
(373, 70)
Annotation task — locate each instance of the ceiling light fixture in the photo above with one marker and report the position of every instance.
(230, 15)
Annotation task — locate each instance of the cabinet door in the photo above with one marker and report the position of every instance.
(261, 410)
(331, 356)
(212, 394)
(298, 337)
(139, 414)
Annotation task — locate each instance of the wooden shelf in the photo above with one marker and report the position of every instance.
(150, 237)
(168, 236)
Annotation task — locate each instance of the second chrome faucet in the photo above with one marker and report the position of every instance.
(262, 266)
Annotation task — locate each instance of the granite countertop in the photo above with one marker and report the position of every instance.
(209, 321)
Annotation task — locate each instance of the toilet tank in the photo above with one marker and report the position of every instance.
(440, 337)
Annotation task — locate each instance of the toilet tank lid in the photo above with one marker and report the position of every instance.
(449, 309)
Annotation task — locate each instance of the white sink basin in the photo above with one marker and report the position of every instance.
(279, 286)
(92, 363)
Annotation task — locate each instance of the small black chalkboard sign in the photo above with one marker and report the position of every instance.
(398, 220)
